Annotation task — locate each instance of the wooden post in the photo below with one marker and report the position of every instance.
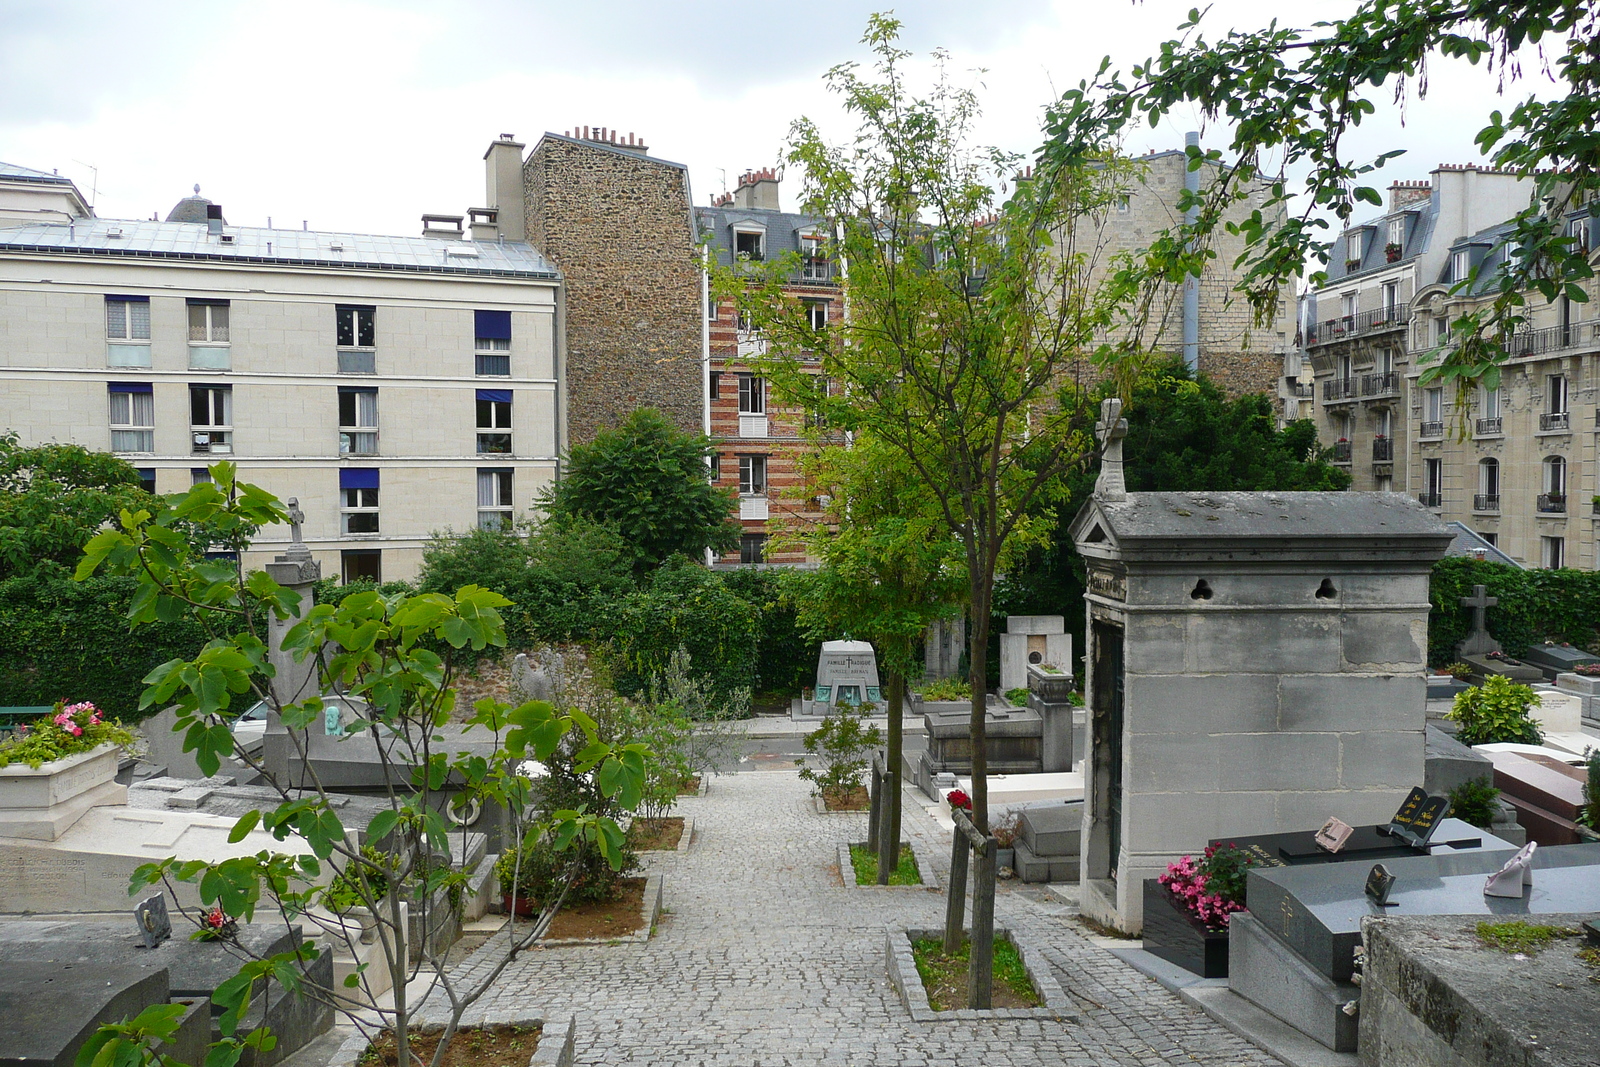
(888, 835)
(876, 795)
(980, 968)
(955, 904)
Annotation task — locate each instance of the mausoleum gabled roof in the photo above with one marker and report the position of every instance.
(1263, 526)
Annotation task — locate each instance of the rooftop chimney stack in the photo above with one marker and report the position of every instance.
(610, 138)
(214, 218)
(506, 196)
(758, 190)
(1404, 194)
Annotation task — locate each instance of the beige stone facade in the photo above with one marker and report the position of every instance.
(617, 223)
(320, 363)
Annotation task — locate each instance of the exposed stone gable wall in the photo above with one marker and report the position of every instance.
(617, 225)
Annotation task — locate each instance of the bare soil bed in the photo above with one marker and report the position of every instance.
(857, 799)
(648, 835)
(481, 1047)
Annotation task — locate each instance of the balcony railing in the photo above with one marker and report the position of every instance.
(1486, 502)
(1339, 389)
(1380, 384)
(1550, 339)
(1382, 450)
(1431, 429)
(1429, 500)
(1347, 326)
(1303, 390)
(1341, 451)
(1555, 420)
(1489, 427)
(1552, 503)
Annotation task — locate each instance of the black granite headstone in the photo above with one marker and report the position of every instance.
(1364, 843)
(151, 917)
(48, 1009)
(1379, 882)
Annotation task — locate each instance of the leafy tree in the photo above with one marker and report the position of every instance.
(1291, 94)
(651, 482)
(968, 317)
(54, 498)
(399, 656)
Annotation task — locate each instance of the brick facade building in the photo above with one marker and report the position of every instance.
(617, 222)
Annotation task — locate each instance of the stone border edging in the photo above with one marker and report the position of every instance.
(550, 1053)
(683, 842)
(649, 911)
(902, 967)
(930, 877)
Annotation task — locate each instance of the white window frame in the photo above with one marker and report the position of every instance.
(1460, 265)
(1356, 245)
(752, 475)
(1391, 297)
(132, 423)
(817, 314)
(358, 504)
(213, 433)
(752, 394)
(1553, 551)
(1433, 477)
(128, 326)
(356, 314)
(1555, 475)
(357, 438)
(760, 252)
(1489, 476)
(1397, 232)
(1348, 303)
(814, 265)
(1557, 394)
(495, 499)
(1433, 404)
(212, 329)
(498, 424)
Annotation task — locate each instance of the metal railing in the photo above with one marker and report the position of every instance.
(1303, 390)
(1339, 389)
(1429, 500)
(1347, 326)
(1555, 420)
(1380, 384)
(1431, 429)
(1487, 427)
(1550, 339)
(1552, 503)
(1382, 450)
(1486, 502)
(1341, 451)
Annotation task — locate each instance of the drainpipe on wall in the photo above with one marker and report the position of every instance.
(1191, 284)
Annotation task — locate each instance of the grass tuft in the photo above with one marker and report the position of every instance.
(866, 865)
(1012, 986)
(1515, 935)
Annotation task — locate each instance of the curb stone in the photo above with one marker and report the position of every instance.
(649, 911)
(902, 966)
(556, 1048)
(930, 877)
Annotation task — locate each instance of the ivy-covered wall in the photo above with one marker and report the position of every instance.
(1535, 606)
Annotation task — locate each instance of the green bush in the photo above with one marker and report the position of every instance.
(1535, 606)
(952, 688)
(1589, 814)
(1018, 696)
(688, 607)
(844, 750)
(787, 658)
(1496, 712)
(1474, 802)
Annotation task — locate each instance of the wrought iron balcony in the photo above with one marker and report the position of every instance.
(1552, 503)
(1303, 390)
(1380, 384)
(1382, 450)
(1490, 427)
(1341, 451)
(1551, 339)
(1429, 500)
(1339, 389)
(1365, 322)
(1431, 429)
(1486, 502)
(1555, 420)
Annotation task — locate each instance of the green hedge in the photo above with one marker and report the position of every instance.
(1535, 606)
(66, 640)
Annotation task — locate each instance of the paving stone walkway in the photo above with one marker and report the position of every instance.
(766, 959)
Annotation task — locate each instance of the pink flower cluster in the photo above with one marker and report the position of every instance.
(70, 718)
(1188, 884)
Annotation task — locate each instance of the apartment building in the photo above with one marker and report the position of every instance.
(396, 386)
(758, 442)
(1365, 330)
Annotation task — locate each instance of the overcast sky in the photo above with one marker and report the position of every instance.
(362, 116)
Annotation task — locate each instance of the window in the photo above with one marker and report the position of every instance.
(1383, 363)
(1489, 402)
(1460, 265)
(1488, 498)
(752, 395)
(1433, 404)
(1555, 476)
(1383, 422)
(1556, 394)
(361, 564)
(1347, 304)
(749, 244)
(1441, 330)
(752, 548)
(715, 466)
(147, 479)
(353, 326)
(1490, 536)
(1391, 297)
(1122, 204)
(358, 500)
(1356, 247)
(211, 418)
(208, 322)
(813, 258)
(127, 318)
(494, 421)
(1578, 230)
(1397, 231)
(743, 323)
(752, 475)
(1432, 482)
(1553, 551)
(817, 314)
(358, 421)
(133, 417)
(494, 497)
(491, 345)
(199, 476)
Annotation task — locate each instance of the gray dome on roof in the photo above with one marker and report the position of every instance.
(190, 209)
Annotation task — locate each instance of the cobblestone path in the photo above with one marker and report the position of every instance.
(766, 959)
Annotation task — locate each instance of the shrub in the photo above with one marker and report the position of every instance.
(69, 730)
(344, 891)
(1495, 712)
(1474, 802)
(842, 746)
(1459, 671)
(1018, 696)
(1589, 814)
(536, 872)
(952, 688)
(688, 607)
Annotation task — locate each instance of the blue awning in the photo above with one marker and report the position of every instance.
(358, 478)
(128, 299)
(501, 395)
(493, 324)
(130, 387)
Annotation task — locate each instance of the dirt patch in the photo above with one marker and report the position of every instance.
(609, 918)
(648, 835)
(945, 977)
(857, 799)
(689, 787)
(480, 1047)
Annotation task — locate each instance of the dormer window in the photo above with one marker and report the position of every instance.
(1397, 232)
(1355, 248)
(749, 245)
(813, 258)
(1460, 265)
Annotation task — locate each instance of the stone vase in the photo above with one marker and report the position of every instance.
(1174, 933)
(43, 802)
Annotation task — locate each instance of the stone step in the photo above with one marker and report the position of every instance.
(1053, 829)
(1031, 867)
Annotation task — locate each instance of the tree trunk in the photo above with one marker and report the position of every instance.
(978, 677)
(897, 695)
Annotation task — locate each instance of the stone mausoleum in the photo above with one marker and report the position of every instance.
(1255, 664)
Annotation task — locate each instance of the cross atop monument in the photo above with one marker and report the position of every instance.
(1111, 429)
(297, 554)
(1479, 640)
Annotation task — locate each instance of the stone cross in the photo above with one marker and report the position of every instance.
(1479, 641)
(1111, 429)
(296, 517)
(297, 552)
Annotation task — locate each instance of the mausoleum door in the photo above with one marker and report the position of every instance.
(1108, 738)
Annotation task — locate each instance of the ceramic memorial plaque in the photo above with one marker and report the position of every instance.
(1515, 876)
(1333, 835)
(154, 924)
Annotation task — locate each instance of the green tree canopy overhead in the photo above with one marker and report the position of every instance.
(54, 498)
(650, 482)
